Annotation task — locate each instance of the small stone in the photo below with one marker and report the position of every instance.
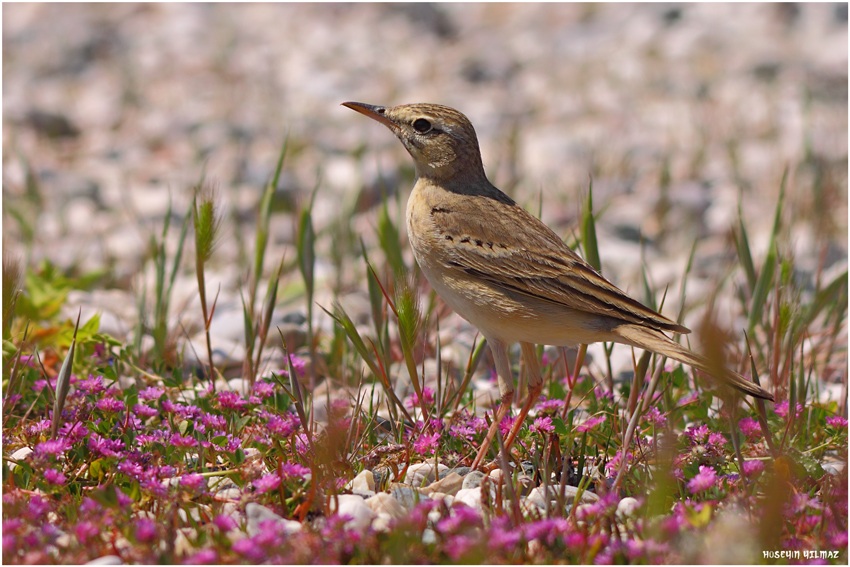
(106, 560)
(627, 507)
(473, 479)
(383, 503)
(19, 455)
(471, 497)
(462, 471)
(406, 496)
(363, 482)
(448, 485)
(537, 496)
(355, 508)
(424, 473)
(256, 514)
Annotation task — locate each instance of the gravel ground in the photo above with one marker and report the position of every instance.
(677, 112)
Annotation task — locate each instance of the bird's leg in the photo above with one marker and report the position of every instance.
(535, 386)
(506, 389)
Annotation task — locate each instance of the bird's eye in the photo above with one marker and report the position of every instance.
(421, 125)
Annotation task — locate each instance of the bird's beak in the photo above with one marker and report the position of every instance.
(373, 112)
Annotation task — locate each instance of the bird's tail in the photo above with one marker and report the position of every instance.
(658, 342)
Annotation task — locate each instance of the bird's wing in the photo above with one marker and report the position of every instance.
(544, 268)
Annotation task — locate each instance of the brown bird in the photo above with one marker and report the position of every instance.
(506, 272)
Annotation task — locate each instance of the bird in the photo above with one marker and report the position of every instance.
(505, 271)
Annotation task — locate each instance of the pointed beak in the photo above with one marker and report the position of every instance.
(374, 112)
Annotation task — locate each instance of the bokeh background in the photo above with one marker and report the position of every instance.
(678, 114)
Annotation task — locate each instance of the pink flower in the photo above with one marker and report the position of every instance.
(750, 428)
(426, 444)
(412, 400)
(266, 483)
(53, 476)
(782, 409)
(194, 482)
(145, 530)
(231, 400)
(697, 435)
(705, 479)
(110, 405)
(590, 423)
(142, 410)
(836, 421)
(225, 523)
(655, 417)
(52, 447)
(752, 468)
(552, 405)
(151, 393)
(184, 441)
(202, 557)
(542, 425)
(85, 531)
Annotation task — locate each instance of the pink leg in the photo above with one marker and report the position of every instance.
(535, 386)
(506, 389)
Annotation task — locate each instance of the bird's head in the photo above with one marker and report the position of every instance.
(440, 139)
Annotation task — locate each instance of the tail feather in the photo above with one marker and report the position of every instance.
(658, 342)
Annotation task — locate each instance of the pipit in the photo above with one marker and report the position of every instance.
(506, 272)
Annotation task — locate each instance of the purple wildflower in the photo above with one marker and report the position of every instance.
(91, 385)
(468, 427)
(283, 425)
(266, 483)
(458, 546)
(782, 409)
(144, 411)
(426, 444)
(506, 424)
(184, 441)
(145, 530)
(37, 507)
(553, 405)
(704, 480)
(225, 523)
(105, 447)
(542, 425)
(52, 476)
(151, 393)
(264, 390)
(750, 428)
(73, 432)
(836, 421)
(53, 447)
(248, 548)
(231, 400)
(655, 417)
(698, 434)
(752, 468)
(293, 470)
(110, 405)
(194, 482)
(202, 557)
(412, 400)
(85, 531)
(39, 426)
(590, 423)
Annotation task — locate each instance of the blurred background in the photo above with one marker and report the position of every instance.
(677, 113)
